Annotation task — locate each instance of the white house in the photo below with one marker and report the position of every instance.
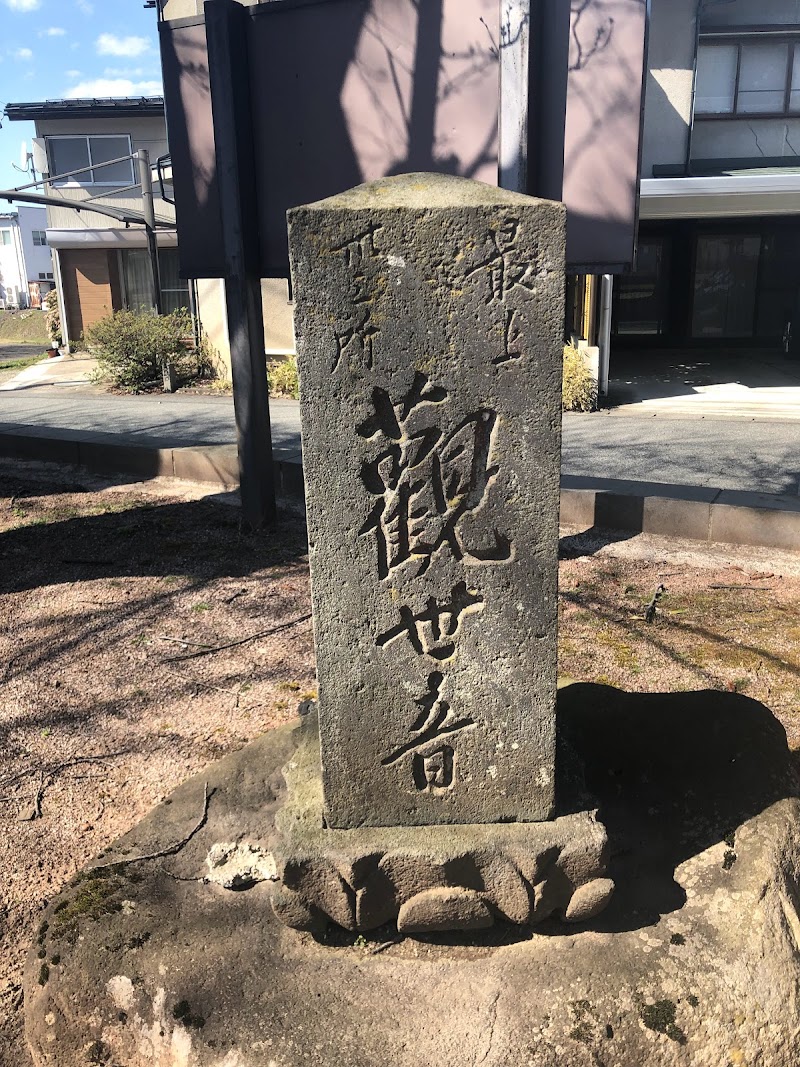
(26, 263)
(101, 263)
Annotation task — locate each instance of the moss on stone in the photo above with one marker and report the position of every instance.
(181, 1009)
(98, 1053)
(183, 1013)
(582, 1032)
(580, 1008)
(137, 940)
(94, 897)
(661, 1018)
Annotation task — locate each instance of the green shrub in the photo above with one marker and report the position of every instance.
(52, 317)
(579, 389)
(282, 374)
(132, 348)
(209, 361)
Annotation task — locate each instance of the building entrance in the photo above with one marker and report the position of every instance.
(714, 285)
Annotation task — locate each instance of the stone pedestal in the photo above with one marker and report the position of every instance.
(694, 963)
(444, 878)
(428, 319)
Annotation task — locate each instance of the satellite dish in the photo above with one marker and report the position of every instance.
(23, 155)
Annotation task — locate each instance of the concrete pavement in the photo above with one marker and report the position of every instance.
(760, 456)
(703, 384)
(159, 420)
(710, 480)
(62, 372)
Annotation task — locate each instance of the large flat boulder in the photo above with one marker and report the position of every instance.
(696, 961)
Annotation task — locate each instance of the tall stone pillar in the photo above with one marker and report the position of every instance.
(429, 326)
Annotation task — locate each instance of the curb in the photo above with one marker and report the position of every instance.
(210, 464)
(696, 513)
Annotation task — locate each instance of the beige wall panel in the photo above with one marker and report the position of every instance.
(214, 321)
(277, 311)
(145, 133)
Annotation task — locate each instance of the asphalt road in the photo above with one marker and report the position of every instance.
(758, 455)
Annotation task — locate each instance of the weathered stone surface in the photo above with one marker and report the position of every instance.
(428, 320)
(439, 910)
(696, 962)
(239, 865)
(292, 910)
(520, 872)
(589, 900)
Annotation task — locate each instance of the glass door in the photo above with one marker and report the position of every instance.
(725, 285)
(643, 295)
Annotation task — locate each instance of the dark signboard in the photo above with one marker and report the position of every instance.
(190, 125)
(345, 91)
(605, 101)
(342, 91)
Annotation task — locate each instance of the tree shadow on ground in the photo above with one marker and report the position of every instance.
(199, 539)
(672, 774)
(20, 481)
(188, 545)
(608, 612)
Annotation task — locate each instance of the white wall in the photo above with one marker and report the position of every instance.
(38, 258)
(13, 283)
(670, 81)
(277, 312)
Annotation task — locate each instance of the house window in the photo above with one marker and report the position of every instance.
(45, 276)
(39, 237)
(138, 284)
(748, 77)
(174, 289)
(5, 237)
(68, 154)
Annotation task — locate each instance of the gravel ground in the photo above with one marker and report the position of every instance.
(112, 596)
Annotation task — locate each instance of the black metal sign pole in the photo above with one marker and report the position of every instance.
(226, 30)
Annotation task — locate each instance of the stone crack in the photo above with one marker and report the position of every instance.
(492, 1011)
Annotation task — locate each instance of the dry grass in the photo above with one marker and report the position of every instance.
(718, 626)
(29, 325)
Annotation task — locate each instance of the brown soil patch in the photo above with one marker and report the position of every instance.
(99, 590)
(108, 589)
(720, 624)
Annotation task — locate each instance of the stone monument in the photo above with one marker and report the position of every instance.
(429, 336)
(429, 327)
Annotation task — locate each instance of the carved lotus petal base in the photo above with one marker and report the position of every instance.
(429, 879)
